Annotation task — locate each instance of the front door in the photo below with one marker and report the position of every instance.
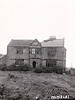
(34, 64)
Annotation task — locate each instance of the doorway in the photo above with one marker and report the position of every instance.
(34, 64)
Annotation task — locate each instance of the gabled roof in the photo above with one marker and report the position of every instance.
(53, 43)
(21, 43)
(35, 43)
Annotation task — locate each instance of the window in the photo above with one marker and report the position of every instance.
(35, 43)
(30, 51)
(38, 51)
(19, 61)
(19, 50)
(33, 51)
(50, 63)
(51, 51)
(24, 50)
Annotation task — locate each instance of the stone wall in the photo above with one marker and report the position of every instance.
(37, 61)
(12, 55)
(60, 56)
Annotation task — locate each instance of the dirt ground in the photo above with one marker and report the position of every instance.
(16, 85)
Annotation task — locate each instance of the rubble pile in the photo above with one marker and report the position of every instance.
(32, 86)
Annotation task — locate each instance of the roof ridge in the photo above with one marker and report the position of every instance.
(20, 42)
(21, 39)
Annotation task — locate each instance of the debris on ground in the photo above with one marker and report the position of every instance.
(16, 85)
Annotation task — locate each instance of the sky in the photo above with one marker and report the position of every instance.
(31, 19)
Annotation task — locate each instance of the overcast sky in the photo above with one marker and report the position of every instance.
(30, 19)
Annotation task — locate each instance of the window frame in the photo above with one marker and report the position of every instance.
(19, 50)
(51, 51)
(33, 51)
(19, 61)
(50, 63)
(38, 51)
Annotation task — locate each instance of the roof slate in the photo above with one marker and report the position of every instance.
(21, 43)
(48, 43)
(53, 43)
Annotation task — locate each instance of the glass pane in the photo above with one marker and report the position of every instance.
(33, 51)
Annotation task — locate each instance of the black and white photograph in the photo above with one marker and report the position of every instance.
(37, 49)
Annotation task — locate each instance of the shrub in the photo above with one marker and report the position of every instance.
(55, 69)
(67, 72)
(39, 69)
(3, 67)
(11, 67)
(51, 69)
(25, 67)
(19, 67)
(43, 69)
(58, 69)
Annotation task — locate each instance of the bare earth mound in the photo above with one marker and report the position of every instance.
(21, 85)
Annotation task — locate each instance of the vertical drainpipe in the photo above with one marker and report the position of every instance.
(29, 56)
(63, 55)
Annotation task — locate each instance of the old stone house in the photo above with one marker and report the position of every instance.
(34, 53)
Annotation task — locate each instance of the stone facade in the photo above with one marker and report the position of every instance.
(3, 60)
(34, 53)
